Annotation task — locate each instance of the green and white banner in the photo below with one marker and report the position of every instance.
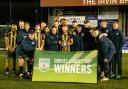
(54, 66)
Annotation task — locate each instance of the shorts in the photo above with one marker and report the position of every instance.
(11, 55)
(24, 54)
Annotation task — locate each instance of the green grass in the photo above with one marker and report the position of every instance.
(14, 82)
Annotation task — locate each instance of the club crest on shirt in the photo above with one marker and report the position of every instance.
(117, 33)
(33, 43)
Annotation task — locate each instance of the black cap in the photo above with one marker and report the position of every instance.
(31, 31)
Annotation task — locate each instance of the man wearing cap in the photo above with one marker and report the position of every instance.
(26, 50)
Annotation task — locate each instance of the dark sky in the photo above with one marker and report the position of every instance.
(28, 10)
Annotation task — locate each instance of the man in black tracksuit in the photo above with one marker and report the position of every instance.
(116, 37)
(77, 35)
(23, 34)
(106, 51)
(52, 40)
(88, 40)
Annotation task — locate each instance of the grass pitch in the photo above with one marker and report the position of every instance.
(14, 82)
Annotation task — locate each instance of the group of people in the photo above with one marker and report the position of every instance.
(109, 51)
(22, 41)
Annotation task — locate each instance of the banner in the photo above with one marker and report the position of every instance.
(65, 67)
(114, 15)
(79, 19)
(93, 19)
(125, 45)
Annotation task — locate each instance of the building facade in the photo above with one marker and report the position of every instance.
(93, 10)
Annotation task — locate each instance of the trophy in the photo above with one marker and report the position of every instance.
(38, 40)
(64, 43)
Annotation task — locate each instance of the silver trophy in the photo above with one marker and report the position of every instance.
(64, 43)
